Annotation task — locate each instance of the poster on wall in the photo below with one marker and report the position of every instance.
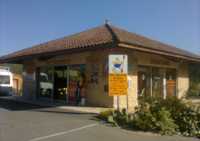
(118, 64)
(117, 81)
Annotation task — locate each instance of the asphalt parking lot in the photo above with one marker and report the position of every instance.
(25, 122)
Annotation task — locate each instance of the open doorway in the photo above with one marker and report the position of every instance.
(60, 83)
(63, 84)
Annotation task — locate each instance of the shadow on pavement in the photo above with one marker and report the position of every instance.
(60, 111)
(18, 106)
(12, 105)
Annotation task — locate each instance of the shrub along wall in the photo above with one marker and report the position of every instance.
(170, 116)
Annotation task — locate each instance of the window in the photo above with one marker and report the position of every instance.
(157, 82)
(4, 79)
(151, 82)
(45, 82)
(144, 81)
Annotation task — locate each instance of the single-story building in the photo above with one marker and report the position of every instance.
(58, 70)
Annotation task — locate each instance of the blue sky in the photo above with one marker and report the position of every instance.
(24, 23)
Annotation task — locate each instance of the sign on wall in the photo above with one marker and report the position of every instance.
(118, 66)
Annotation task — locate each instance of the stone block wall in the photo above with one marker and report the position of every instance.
(97, 62)
(182, 80)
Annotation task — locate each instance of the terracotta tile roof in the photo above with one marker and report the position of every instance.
(91, 37)
(134, 39)
(105, 34)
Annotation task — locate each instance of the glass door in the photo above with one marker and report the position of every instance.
(45, 77)
(144, 81)
(76, 84)
(65, 84)
(157, 82)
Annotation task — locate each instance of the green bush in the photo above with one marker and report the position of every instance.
(143, 118)
(121, 117)
(185, 116)
(164, 123)
(169, 116)
(150, 117)
(105, 114)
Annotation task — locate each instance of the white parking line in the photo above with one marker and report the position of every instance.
(63, 133)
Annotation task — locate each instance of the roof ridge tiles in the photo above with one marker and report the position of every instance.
(114, 36)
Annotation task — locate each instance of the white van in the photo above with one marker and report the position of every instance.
(6, 81)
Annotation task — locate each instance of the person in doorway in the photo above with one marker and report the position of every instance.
(83, 88)
(78, 93)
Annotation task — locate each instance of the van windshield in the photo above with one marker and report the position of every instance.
(4, 79)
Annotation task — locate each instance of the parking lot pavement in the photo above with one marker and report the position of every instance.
(25, 122)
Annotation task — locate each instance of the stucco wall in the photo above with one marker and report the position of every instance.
(96, 93)
(19, 79)
(29, 81)
(136, 59)
(130, 100)
(155, 60)
(182, 80)
(165, 62)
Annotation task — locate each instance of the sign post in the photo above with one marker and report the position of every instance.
(118, 83)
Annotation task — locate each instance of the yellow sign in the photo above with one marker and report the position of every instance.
(117, 84)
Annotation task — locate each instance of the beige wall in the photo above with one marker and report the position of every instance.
(164, 62)
(29, 80)
(17, 78)
(182, 80)
(130, 101)
(96, 95)
(135, 59)
(155, 60)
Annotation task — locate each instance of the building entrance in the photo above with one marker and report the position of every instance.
(62, 83)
